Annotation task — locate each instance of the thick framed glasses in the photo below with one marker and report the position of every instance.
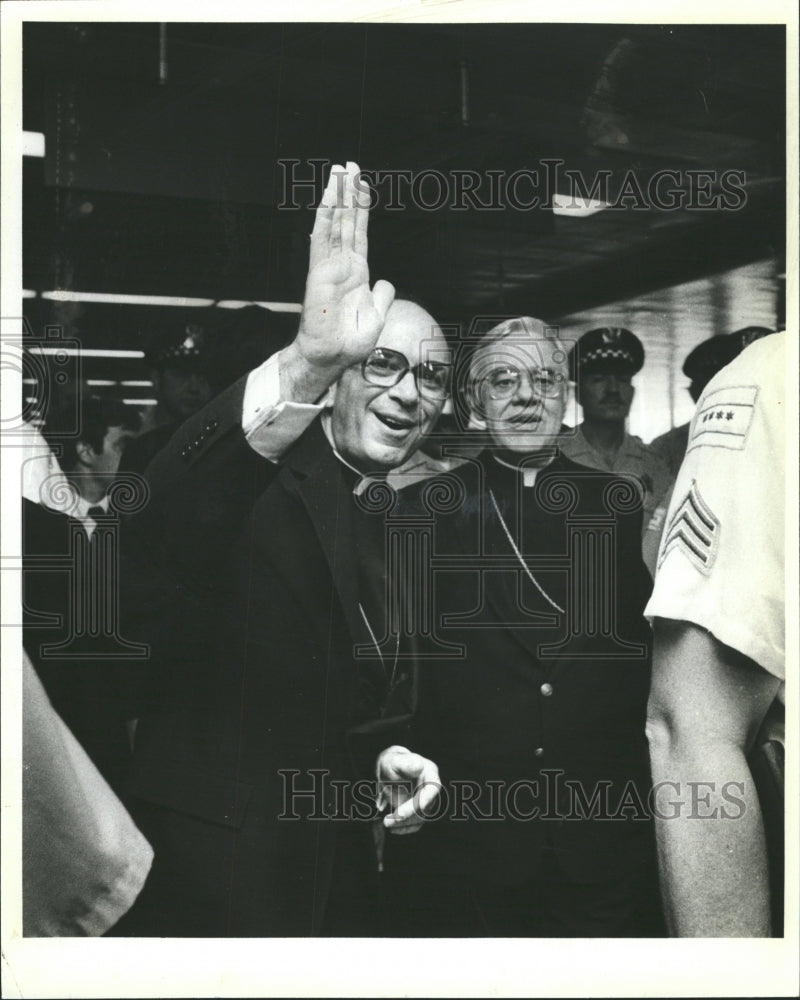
(503, 383)
(386, 368)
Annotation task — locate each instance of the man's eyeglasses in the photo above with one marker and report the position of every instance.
(503, 383)
(386, 368)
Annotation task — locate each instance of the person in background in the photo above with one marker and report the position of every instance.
(604, 362)
(70, 581)
(718, 610)
(701, 365)
(201, 361)
(178, 367)
(91, 456)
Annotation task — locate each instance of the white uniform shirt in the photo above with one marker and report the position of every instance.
(721, 559)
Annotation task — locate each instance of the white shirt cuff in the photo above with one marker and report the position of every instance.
(270, 425)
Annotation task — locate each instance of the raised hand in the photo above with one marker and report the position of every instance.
(342, 317)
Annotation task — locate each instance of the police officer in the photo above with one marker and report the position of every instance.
(700, 366)
(604, 362)
(178, 368)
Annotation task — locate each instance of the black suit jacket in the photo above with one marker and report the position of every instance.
(537, 695)
(89, 684)
(140, 451)
(241, 575)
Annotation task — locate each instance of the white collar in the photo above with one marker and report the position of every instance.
(83, 506)
(528, 472)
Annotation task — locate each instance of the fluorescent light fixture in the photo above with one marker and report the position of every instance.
(124, 300)
(138, 385)
(576, 208)
(287, 307)
(100, 381)
(33, 143)
(86, 352)
(28, 293)
(140, 402)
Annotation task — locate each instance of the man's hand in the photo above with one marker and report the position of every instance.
(410, 785)
(341, 318)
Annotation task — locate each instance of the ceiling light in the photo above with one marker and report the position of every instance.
(289, 307)
(62, 295)
(577, 208)
(33, 143)
(85, 352)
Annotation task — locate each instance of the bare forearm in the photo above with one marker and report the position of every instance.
(706, 704)
(711, 852)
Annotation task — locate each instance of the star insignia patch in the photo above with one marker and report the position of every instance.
(723, 418)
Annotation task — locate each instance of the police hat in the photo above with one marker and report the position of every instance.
(709, 357)
(712, 355)
(608, 350)
(185, 345)
(748, 335)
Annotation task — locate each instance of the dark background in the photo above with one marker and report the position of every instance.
(160, 175)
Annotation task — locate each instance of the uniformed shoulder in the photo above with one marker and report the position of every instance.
(663, 440)
(635, 445)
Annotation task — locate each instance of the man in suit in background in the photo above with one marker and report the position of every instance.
(252, 581)
(66, 555)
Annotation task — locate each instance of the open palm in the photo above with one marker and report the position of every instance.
(342, 318)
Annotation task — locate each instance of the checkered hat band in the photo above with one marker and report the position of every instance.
(604, 353)
(181, 352)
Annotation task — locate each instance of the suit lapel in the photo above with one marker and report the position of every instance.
(316, 476)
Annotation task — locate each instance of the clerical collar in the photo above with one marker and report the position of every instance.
(528, 472)
(362, 480)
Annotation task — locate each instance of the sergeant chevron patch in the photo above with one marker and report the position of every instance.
(694, 530)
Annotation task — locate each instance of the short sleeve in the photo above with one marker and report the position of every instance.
(721, 559)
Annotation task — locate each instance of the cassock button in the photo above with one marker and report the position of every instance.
(546, 689)
(538, 752)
